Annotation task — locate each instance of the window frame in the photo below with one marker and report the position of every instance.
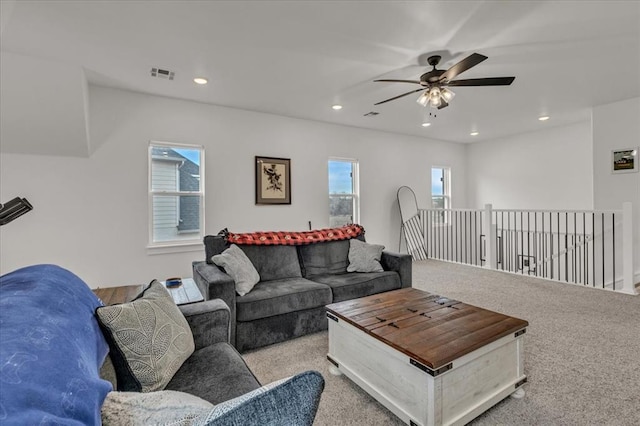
(446, 187)
(446, 192)
(355, 186)
(184, 243)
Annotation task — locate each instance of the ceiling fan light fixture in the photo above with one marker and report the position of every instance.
(474, 133)
(447, 94)
(200, 80)
(423, 99)
(426, 124)
(336, 107)
(432, 82)
(543, 118)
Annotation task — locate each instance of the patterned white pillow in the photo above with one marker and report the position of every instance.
(149, 339)
(152, 408)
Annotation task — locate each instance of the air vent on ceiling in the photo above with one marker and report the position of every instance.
(160, 73)
(371, 114)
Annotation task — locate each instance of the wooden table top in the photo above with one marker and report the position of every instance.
(432, 329)
(122, 294)
(184, 294)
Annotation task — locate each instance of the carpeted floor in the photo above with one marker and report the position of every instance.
(582, 352)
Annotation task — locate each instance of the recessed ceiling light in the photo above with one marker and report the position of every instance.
(426, 124)
(543, 118)
(474, 133)
(337, 107)
(200, 80)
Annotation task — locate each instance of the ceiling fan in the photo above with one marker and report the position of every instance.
(435, 82)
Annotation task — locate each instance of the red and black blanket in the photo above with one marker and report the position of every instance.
(294, 238)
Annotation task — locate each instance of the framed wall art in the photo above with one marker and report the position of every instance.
(624, 160)
(273, 180)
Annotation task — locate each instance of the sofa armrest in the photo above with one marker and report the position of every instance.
(401, 263)
(215, 284)
(208, 320)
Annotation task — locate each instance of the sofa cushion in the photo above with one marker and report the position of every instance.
(51, 348)
(215, 373)
(292, 401)
(152, 408)
(364, 257)
(353, 285)
(331, 257)
(239, 267)
(277, 297)
(274, 262)
(149, 339)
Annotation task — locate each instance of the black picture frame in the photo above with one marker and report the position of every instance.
(624, 160)
(273, 180)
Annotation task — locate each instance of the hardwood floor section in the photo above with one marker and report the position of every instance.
(122, 294)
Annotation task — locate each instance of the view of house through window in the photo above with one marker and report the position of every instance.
(440, 188)
(176, 193)
(343, 192)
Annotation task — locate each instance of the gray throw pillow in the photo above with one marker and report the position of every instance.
(364, 257)
(239, 267)
(152, 408)
(149, 339)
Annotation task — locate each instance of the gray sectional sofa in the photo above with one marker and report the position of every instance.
(296, 283)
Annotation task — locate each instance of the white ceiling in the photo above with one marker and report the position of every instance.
(298, 58)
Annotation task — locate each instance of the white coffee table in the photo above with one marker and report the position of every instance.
(428, 359)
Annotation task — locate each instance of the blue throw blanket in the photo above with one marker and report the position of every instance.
(51, 349)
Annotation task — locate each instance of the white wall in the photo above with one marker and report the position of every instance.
(548, 169)
(617, 126)
(91, 215)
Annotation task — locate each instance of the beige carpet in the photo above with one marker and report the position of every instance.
(582, 352)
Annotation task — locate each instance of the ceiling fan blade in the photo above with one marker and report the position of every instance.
(399, 96)
(490, 81)
(443, 104)
(399, 81)
(468, 62)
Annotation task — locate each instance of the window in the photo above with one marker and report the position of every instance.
(176, 193)
(344, 206)
(440, 188)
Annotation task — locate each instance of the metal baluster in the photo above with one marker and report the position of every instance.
(464, 234)
(613, 247)
(521, 240)
(593, 247)
(566, 247)
(585, 249)
(439, 230)
(575, 248)
(551, 241)
(558, 228)
(602, 220)
(502, 238)
(535, 240)
(509, 244)
(475, 236)
(544, 248)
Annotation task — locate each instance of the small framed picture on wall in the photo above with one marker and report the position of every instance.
(273, 180)
(624, 160)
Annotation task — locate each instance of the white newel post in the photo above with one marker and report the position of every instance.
(490, 237)
(627, 249)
